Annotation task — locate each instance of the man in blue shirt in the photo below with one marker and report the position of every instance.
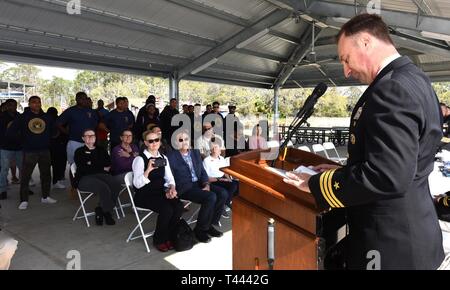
(77, 118)
(118, 120)
(34, 127)
(11, 147)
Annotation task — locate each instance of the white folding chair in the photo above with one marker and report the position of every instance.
(84, 196)
(191, 219)
(304, 148)
(273, 144)
(337, 158)
(320, 150)
(129, 185)
(119, 202)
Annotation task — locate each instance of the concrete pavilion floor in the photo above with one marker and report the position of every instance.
(46, 234)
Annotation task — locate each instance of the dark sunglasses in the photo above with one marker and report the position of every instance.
(150, 141)
(181, 140)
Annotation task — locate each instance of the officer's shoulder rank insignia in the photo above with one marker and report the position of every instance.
(336, 185)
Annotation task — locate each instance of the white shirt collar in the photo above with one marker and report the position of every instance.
(387, 61)
(148, 154)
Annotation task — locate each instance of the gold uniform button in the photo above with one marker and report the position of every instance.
(352, 139)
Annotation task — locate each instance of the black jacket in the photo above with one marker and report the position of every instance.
(394, 133)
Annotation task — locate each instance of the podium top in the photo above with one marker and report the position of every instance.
(249, 168)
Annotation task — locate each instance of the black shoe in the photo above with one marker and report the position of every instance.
(109, 219)
(30, 192)
(99, 216)
(202, 236)
(3, 195)
(214, 233)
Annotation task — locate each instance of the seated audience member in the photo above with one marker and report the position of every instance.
(192, 184)
(256, 141)
(155, 190)
(8, 247)
(203, 142)
(122, 155)
(212, 165)
(93, 164)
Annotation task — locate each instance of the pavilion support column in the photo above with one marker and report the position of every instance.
(276, 94)
(174, 87)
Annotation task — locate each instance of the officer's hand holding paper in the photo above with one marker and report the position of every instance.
(300, 176)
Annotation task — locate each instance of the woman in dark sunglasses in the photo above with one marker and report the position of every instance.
(155, 190)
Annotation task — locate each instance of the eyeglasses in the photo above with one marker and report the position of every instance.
(89, 136)
(181, 140)
(150, 141)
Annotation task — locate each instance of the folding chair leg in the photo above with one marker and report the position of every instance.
(191, 220)
(82, 202)
(117, 213)
(120, 206)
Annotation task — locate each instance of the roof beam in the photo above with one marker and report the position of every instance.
(293, 4)
(261, 55)
(284, 36)
(391, 17)
(231, 69)
(227, 82)
(115, 20)
(14, 33)
(270, 20)
(211, 11)
(297, 55)
(411, 42)
(14, 53)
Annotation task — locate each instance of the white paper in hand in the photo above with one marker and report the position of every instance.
(304, 169)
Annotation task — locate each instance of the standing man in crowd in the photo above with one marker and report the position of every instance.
(10, 145)
(118, 120)
(77, 118)
(166, 119)
(395, 130)
(34, 128)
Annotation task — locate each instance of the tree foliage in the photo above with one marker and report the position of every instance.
(249, 101)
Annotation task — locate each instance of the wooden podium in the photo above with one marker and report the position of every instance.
(303, 235)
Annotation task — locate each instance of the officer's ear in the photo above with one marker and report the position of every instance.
(364, 40)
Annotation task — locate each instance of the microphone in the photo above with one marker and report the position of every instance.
(318, 91)
(271, 243)
(311, 100)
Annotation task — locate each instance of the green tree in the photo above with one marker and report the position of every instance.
(56, 91)
(23, 73)
(332, 104)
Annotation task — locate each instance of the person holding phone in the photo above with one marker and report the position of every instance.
(155, 190)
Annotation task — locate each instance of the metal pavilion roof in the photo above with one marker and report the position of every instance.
(257, 43)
